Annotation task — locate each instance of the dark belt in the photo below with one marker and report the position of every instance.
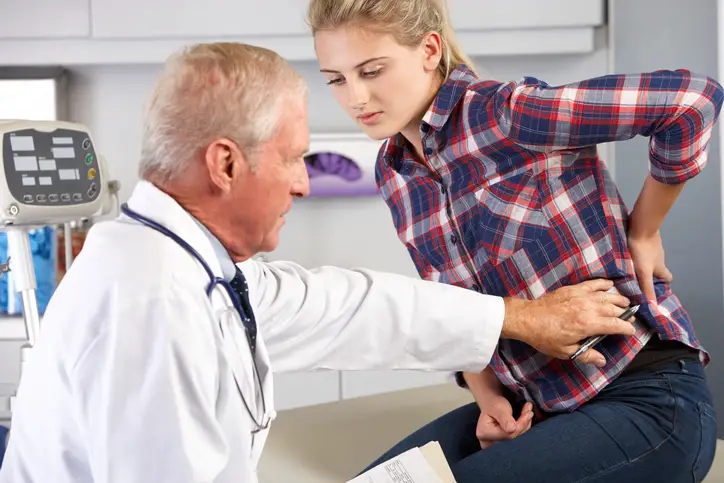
(660, 353)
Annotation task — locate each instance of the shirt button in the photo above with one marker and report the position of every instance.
(428, 151)
(443, 189)
(453, 239)
(425, 127)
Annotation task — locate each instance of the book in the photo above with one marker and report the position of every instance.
(418, 465)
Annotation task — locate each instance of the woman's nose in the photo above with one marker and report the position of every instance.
(358, 95)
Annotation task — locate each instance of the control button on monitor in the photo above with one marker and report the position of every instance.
(53, 198)
(28, 198)
(92, 190)
(77, 197)
(92, 173)
(89, 158)
(65, 197)
(40, 197)
(86, 144)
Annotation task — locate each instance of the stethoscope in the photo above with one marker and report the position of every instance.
(213, 283)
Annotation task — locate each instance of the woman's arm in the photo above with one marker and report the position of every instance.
(644, 241)
(497, 421)
(677, 109)
(652, 205)
(484, 386)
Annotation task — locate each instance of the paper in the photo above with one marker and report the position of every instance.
(437, 461)
(418, 465)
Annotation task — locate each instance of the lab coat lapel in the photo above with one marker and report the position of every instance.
(153, 203)
(238, 354)
(267, 384)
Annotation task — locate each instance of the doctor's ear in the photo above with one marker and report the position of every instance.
(223, 160)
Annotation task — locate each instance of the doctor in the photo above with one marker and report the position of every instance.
(155, 359)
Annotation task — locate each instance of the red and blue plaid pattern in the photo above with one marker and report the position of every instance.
(515, 201)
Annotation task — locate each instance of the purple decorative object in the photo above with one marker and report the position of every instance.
(333, 175)
(321, 164)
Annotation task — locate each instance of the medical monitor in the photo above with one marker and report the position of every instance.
(51, 173)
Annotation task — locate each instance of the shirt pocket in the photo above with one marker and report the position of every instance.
(509, 217)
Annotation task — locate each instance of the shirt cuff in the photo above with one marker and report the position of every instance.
(675, 171)
(460, 380)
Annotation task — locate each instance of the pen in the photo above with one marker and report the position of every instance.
(592, 341)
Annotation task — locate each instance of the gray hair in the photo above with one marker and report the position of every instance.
(209, 91)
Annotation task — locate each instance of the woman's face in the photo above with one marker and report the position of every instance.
(384, 86)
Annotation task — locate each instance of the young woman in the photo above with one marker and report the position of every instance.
(497, 186)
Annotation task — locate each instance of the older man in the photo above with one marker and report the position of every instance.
(150, 366)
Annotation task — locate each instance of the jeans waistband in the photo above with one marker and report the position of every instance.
(686, 366)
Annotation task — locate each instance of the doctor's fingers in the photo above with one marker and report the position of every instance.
(591, 356)
(595, 292)
(613, 301)
(610, 325)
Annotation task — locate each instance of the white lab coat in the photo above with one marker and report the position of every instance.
(134, 376)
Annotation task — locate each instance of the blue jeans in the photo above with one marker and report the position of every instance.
(657, 426)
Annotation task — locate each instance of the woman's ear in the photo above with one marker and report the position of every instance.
(432, 50)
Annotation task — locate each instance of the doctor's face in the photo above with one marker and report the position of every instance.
(265, 194)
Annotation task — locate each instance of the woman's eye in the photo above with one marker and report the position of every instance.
(373, 73)
(334, 81)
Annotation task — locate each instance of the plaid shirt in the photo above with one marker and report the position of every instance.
(516, 202)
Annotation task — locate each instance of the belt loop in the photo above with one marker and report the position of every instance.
(682, 363)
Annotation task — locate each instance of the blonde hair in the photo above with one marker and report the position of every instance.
(208, 91)
(406, 20)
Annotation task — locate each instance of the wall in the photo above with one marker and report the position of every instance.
(345, 232)
(679, 35)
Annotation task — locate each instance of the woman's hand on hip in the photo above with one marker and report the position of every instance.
(647, 253)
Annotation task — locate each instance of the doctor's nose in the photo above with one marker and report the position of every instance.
(300, 187)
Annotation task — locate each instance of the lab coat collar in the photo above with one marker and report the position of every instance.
(227, 264)
(151, 202)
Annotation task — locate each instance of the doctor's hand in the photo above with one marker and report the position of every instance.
(556, 323)
(496, 422)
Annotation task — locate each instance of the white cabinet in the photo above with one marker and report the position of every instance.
(91, 32)
(525, 14)
(198, 19)
(26, 19)
(526, 27)
(251, 18)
